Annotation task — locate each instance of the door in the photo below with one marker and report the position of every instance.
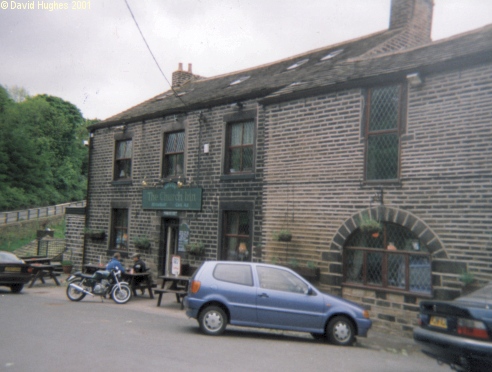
(169, 244)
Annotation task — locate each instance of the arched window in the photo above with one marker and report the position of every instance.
(393, 258)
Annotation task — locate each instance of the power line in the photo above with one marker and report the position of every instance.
(152, 54)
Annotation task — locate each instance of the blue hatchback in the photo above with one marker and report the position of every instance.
(270, 296)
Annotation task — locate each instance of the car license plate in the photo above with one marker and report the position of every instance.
(437, 321)
(9, 269)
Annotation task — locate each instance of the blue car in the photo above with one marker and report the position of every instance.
(270, 296)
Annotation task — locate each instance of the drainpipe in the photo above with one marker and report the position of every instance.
(87, 197)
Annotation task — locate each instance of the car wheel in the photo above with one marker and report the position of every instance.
(16, 288)
(212, 320)
(340, 331)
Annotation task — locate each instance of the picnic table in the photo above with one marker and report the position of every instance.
(92, 268)
(139, 281)
(41, 271)
(173, 284)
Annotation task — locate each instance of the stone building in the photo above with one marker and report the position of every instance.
(373, 153)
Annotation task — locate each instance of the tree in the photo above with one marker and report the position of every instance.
(42, 157)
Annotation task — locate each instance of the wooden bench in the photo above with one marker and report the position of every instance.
(180, 294)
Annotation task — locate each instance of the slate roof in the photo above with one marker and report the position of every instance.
(275, 82)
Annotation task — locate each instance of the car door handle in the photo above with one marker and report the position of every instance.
(263, 295)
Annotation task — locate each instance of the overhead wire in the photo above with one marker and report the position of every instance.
(152, 54)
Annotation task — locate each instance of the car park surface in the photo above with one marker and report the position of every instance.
(270, 296)
(458, 332)
(14, 272)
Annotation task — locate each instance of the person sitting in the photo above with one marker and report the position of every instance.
(115, 263)
(139, 267)
(138, 264)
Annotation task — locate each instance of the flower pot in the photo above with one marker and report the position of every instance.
(67, 269)
(285, 237)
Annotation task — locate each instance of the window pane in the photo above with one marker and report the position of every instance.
(374, 268)
(124, 149)
(175, 142)
(280, 280)
(354, 260)
(236, 134)
(382, 157)
(396, 270)
(235, 160)
(248, 133)
(236, 241)
(174, 154)
(420, 274)
(120, 229)
(384, 108)
(247, 159)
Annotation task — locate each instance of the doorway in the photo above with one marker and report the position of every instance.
(168, 245)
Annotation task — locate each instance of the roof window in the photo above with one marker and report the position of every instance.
(332, 54)
(297, 64)
(240, 80)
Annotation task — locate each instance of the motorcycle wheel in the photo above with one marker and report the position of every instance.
(74, 294)
(121, 295)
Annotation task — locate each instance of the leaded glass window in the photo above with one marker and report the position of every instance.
(382, 133)
(395, 259)
(240, 138)
(174, 146)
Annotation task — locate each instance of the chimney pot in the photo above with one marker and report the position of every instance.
(189, 68)
(180, 66)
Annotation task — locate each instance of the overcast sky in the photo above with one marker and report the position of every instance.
(96, 59)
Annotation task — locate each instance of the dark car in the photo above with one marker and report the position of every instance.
(14, 272)
(270, 296)
(458, 332)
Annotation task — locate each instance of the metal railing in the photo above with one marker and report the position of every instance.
(35, 213)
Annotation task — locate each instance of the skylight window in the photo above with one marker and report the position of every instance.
(297, 64)
(332, 54)
(240, 80)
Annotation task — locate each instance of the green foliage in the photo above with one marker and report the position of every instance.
(10, 240)
(42, 157)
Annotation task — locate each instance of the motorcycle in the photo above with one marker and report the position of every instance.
(101, 283)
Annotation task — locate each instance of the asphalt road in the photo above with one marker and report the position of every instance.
(42, 330)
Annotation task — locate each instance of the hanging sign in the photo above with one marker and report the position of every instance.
(172, 198)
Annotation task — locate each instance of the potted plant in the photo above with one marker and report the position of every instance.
(195, 249)
(67, 266)
(95, 234)
(370, 226)
(141, 242)
(469, 283)
(283, 236)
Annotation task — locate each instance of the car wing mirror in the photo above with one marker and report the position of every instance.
(309, 291)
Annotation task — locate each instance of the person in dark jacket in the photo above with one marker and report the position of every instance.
(138, 265)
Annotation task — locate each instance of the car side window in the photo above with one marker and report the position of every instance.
(238, 274)
(280, 280)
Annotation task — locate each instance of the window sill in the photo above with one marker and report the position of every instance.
(240, 176)
(388, 290)
(122, 183)
(123, 254)
(378, 183)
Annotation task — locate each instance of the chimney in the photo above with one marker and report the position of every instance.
(415, 16)
(180, 77)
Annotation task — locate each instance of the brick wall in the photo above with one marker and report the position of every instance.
(314, 157)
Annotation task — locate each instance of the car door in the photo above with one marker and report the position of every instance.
(283, 301)
(234, 284)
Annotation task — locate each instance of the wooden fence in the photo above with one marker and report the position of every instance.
(34, 213)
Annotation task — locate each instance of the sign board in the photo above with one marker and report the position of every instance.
(172, 198)
(176, 265)
(184, 237)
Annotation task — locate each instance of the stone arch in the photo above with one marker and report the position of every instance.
(393, 215)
